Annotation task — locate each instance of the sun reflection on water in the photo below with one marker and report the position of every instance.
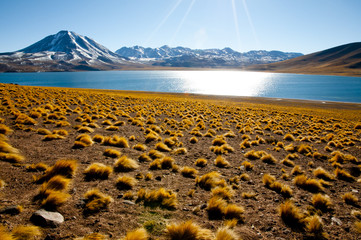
(235, 83)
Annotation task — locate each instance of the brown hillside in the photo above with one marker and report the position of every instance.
(341, 60)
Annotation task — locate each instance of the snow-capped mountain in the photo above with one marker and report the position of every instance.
(63, 51)
(183, 57)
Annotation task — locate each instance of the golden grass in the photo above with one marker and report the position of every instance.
(201, 162)
(96, 201)
(158, 198)
(225, 193)
(221, 162)
(322, 202)
(291, 215)
(25, 232)
(350, 199)
(125, 164)
(189, 172)
(187, 231)
(116, 141)
(343, 175)
(225, 233)
(64, 168)
(112, 153)
(138, 234)
(125, 182)
(11, 157)
(210, 180)
(97, 171)
(323, 174)
(54, 200)
(309, 184)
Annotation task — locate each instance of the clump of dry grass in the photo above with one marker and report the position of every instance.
(64, 168)
(189, 172)
(297, 170)
(225, 193)
(291, 215)
(201, 162)
(97, 171)
(343, 175)
(249, 195)
(315, 227)
(270, 182)
(210, 180)
(25, 232)
(187, 230)
(138, 234)
(116, 141)
(180, 151)
(125, 182)
(289, 137)
(350, 199)
(217, 208)
(309, 184)
(125, 164)
(162, 147)
(268, 158)
(253, 155)
(323, 174)
(226, 233)
(96, 201)
(11, 157)
(5, 129)
(322, 202)
(98, 138)
(247, 165)
(140, 147)
(221, 162)
(112, 153)
(158, 198)
(54, 200)
(82, 141)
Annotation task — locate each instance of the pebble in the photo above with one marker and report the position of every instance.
(336, 220)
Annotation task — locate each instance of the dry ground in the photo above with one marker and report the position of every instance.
(326, 135)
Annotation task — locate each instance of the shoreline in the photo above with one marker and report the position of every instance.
(231, 98)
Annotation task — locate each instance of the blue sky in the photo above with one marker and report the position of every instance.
(288, 25)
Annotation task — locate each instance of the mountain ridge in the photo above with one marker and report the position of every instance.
(182, 56)
(340, 60)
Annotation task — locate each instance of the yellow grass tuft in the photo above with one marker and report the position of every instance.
(343, 175)
(54, 200)
(116, 141)
(216, 207)
(187, 231)
(201, 162)
(64, 168)
(97, 171)
(95, 201)
(180, 151)
(189, 172)
(225, 193)
(322, 202)
(350, 199)
(233, 211)
(112, 153)
(138, 234)
(140, 147)
(25, 232)
(268, 158)
(162, 147)
(291, 215)
(358, 226)
(125, 182)
(309, 184)
(221, 162)
(210, 180)
(5, 129)
(323, 174)
(225, 233)
(314, 225)
(11, 157)
(125, 164)
(158, 198)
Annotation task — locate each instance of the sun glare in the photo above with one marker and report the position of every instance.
(235, 83)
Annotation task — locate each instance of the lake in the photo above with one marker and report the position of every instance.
(233, 83)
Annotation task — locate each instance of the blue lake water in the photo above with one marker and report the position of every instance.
(234, 83)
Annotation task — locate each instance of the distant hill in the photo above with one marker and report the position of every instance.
(213, 58)
(64, 51)
(341, 60)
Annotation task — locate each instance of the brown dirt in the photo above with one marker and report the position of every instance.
(262, 218)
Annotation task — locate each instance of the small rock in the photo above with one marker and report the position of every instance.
(336, 220)
(354, 190)
(203, 206)
(128, 202)
(46, 218)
